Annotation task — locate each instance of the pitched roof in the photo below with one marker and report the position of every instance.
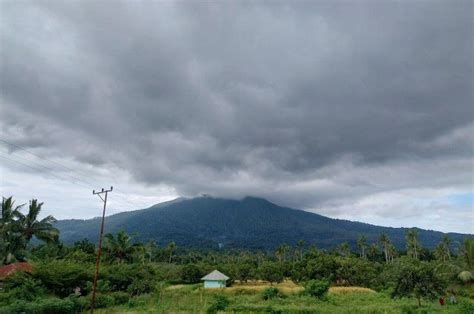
(7, 270)
(215, 275)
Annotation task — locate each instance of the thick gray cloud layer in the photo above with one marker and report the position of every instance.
(318, 106)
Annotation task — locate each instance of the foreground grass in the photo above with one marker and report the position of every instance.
(247, 298)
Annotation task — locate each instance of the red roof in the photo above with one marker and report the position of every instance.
(7, 270)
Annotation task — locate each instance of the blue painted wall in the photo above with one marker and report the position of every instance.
(214, 284)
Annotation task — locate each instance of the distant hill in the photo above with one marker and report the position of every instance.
(251, 223)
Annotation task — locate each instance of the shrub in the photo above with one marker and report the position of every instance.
(220, 304)
(121, 276)
(141, 286)
(120, 297)
(55, 306)
(103, 300)
(41, 306)
(271, 293)
(190, 273)
(80, 303)
(465, 276)
(22, 286)
(102, 286)
(271, 272)
(62, 277)
(317, 288)
(19, 306)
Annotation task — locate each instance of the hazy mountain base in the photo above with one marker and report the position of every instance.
(250, 223)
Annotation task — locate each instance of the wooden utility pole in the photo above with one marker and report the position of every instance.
(99, 251)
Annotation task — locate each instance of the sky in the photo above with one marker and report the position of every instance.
(358, 110)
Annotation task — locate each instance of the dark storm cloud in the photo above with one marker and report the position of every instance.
(266, 99)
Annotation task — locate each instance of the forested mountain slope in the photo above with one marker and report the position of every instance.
(252, 223)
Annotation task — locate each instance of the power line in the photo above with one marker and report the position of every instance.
(90, 184)
(123, 201)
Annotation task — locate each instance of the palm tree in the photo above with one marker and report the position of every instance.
(300, 246)
(10, 239)
(468, 252)
(30, 226)
(281, 252)
(443, 251)
(385, 242)
(412, 242)
(120, 247)
(171, 248)
(362, 244)
(344, 249)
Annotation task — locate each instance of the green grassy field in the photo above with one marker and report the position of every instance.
(247, 298)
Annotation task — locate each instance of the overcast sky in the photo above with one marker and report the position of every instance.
(358, 110)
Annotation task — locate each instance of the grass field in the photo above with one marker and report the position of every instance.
(247, 298)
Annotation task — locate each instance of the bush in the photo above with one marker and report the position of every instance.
(41, 306)
(55, 306)
(19, 306)
(317, 288)
(271, 272)
(141, 286)
(103, 300)
(121, 276)
(220, 304)
(81, 304)
(271, 293)
(62, 277)
(22, 286)
(190, 273)
(465, 276)
(120, 297)
(102, 286)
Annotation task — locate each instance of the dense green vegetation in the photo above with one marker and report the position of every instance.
(137, 276)
(251, 223)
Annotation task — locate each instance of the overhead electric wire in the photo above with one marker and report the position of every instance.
(79, 181)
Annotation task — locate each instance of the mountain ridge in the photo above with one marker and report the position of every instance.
(251, 223)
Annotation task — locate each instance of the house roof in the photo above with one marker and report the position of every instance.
(7, 270)
(215, 275)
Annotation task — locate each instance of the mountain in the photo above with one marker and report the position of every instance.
(252, 223)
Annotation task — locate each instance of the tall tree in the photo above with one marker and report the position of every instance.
(119, 247)
(281, 252)
(362, 245)
(171, 248)
(468, 252)
(344, 249)
(30, 226)
(299, 250)
(443, 251)
(413, 246)
(385, 242)
(10, 239)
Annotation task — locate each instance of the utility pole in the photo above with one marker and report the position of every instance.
(99, 251)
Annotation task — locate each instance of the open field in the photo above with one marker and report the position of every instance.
(247, 298)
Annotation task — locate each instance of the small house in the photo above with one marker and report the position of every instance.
(215, 279)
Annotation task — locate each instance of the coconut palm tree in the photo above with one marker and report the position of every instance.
(29, 225)
(468, 253)
(385, 242)
(443, 251)
(120, 247)
(10, 241)
(413, 245)
(300, 247)
(171, 248)
(362, 244)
